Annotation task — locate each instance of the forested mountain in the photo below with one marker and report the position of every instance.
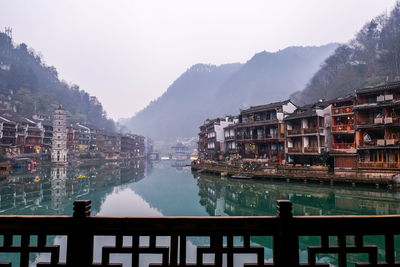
(186, 103)
(37, 88)
(371, 58)
(207, 91)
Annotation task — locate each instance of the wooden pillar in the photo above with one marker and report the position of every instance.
(80, 242)
(286, 244)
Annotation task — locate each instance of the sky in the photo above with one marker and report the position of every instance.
(127, 52)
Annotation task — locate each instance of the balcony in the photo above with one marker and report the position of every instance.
(260, 138)
(345, 110)
(380, 142)
(311, 149)
(258, 122)
(343, 128)
(294, 150)
(229, 138)
(310, 130)
(297, 131)
(343, 146)
(81, 230)
(379, 165)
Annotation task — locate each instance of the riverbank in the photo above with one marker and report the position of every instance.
(315, 174)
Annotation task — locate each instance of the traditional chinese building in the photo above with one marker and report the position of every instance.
(59, 143)
(127, 146)
(202, 143)
(230, 140)
(378, 127)
(308, 133)
(343, 148)
(215, 137)
(47, 135)
(260, 132)
(8, 136)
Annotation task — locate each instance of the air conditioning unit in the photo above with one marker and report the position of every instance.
(389, 142)
(380, 98)
(378, 120)
(388, 120)
(380, 142)
(388, 97)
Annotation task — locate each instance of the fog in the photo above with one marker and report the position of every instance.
(128, 52)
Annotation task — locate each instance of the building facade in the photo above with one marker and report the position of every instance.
(344, 148)
(212, 139)
(378, 127)
(308, 133)
(260, 132)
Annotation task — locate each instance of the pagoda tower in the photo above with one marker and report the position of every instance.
(59, 145)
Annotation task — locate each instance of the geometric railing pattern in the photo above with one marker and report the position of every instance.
(25, 235)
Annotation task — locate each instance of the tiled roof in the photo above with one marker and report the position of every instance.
(265, 107)
(308, 110)
(386, 86)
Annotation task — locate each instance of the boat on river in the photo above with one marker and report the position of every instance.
(242, 176)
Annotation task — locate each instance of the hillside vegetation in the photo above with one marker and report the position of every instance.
(371, 58)
(37, 88)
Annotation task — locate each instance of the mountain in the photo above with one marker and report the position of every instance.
(271, 77)
(37, 89)
(183, 105)
(206, 91)
(370, 59)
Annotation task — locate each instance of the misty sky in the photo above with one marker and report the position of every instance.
(127, 52)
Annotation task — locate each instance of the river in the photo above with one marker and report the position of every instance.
(169, 189)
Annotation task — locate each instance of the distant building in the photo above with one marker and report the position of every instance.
(47, 135)
(230, 143)
(202, 143)
(180, 152)
(308, 133)
(214, 137)
(261, 131)
(59, 148)
(378, 127)
(343, 131)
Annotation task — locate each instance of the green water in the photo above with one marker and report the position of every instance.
(158, 189)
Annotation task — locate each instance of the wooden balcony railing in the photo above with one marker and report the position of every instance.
(310, 130)
(342, 110)
(294, 149)
(342, 128)
(285, 230)
(379, 165)
(380, 142)
(343, 145)
(295, 131)
(311, 149)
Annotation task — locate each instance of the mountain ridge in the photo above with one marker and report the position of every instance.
(220, 90)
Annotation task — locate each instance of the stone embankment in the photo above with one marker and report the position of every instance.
(305, 174)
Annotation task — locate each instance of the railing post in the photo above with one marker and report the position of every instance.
(80, 240)
(286, 245)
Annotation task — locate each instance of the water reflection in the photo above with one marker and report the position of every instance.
(52, 190)
(171, 189)
(230, 197)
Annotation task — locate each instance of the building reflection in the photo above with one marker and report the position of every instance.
(229, 197)
(58, 181)
(52, 190)
(256, 198)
